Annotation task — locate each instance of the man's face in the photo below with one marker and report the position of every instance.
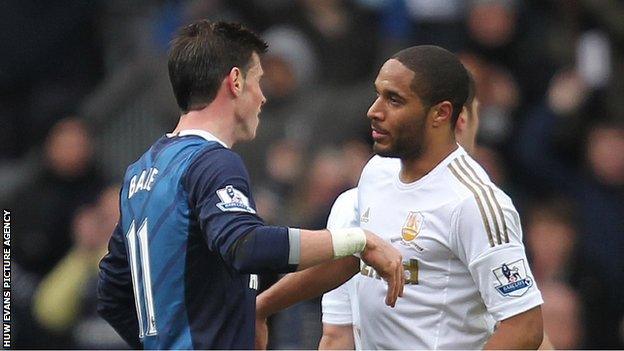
(251, 100)
(398, 115)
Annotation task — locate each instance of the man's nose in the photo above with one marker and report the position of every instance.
(374, 111)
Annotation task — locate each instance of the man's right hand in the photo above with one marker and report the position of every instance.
(388, 263)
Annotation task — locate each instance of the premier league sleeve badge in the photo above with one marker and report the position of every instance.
(513, 278)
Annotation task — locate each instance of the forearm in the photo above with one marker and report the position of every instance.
(282, 250)
(316, 247)
(523, 331)
(304, 285)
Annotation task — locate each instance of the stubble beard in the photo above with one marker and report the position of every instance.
(408, 145)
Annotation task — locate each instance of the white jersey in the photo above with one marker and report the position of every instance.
(340, 306)
(461, 242)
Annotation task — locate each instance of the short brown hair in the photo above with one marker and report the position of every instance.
(202, 54)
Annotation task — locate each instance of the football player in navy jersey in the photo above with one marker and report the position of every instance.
(179, 269)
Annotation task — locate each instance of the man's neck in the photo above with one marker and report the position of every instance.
(412, 169)
(210, 120)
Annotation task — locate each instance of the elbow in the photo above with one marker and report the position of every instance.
(259, 251)
(535, 339)
(524, 331)
(241, 255)
(243, 265)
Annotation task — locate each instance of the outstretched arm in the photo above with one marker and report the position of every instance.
(314, 281)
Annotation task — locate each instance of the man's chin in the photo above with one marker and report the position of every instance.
(250, 137)
(383, 151)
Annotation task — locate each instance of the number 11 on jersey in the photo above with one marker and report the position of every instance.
(141, 278)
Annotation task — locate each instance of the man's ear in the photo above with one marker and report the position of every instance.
(442, 113)
(235, 81)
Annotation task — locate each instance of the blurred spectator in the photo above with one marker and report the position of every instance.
(355, 156)
(499, 98)
(597, 188)
(605, 154)
(550, 234)
(323, 180)
(491, 161)
(510, 34)
(562, 316)
(42, 213)
(284, 166)
(45, 206)
(64, 302)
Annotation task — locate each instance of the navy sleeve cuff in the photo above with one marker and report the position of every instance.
(265, 249)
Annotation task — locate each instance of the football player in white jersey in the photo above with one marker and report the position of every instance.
(340, 311)
(459, 234)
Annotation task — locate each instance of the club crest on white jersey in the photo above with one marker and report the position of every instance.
(411, 228)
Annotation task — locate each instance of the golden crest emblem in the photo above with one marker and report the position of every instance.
(413, 225)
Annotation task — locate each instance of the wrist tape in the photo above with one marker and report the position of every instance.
(347, 241)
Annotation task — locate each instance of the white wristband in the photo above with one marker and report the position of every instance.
(348, 241)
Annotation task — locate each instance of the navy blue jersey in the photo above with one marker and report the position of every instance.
(177, 272)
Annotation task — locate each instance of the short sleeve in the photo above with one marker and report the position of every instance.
(487, 237)
(219, 193)
(344, 212)
(336, 306)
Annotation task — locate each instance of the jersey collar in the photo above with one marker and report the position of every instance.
(200, 133)
(438, 168)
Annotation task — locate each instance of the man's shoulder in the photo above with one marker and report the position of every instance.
(347, 198)
(476, 192)
(214, 158)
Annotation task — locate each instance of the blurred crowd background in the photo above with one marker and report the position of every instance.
(84, 91)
